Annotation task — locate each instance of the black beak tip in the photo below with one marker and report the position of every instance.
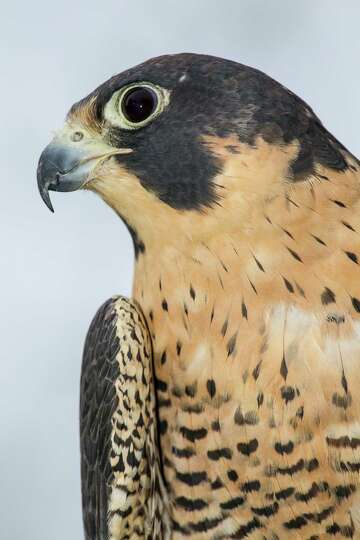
(46, 198)
(43, 186)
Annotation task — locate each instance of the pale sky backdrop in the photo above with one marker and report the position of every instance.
(57, 269)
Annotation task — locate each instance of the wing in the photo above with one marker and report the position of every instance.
(122, 490)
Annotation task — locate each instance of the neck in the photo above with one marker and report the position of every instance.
(298, 249)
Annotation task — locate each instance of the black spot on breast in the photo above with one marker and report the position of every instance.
(249, 418)
(183, 452)
(283, 471)
(344, 382)
(344, 491)
(197, 408)
(266, 511)
(296, 523)
(232, 503)
(308, 495)
(164, 305)
(217, 484)
(231, 345)
(177, 391)
(288, 285)
(284, 493)
(190, 504)
(311, 465)
(348, 226)
(343, 442)
(342, 402)
(248, 448)
(259, 265)
(287, 393)
(176, 527)
(335, 529)
(163, 403)
(192, 292)
(191, 389)
(300, 290)
(232, 475)
(356, 304)
(193, 434)
(253, 286)
(318, 240)
(251, 485)
(294, 254)
(286, 448)
(283, 368)
(338, 203)
(352, 257)
(244, 530)
(335, 318)
(224, 327)
(219, 453)
(211, 387)
(256, 371)
(205, 524)
(244, 311)
(193, 478)
(327, 297)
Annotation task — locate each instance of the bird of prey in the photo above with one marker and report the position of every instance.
(244, 212)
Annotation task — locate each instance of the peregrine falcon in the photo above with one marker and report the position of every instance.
(244, 213)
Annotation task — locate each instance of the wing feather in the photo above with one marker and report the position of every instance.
(123, 494)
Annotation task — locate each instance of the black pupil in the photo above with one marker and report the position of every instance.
(138, 104)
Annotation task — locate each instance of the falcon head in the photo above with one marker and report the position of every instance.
(184, 145)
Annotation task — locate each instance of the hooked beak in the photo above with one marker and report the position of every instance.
(67, 166)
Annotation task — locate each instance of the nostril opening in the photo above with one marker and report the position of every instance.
(77, 136)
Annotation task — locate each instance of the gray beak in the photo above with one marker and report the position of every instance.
(70, 160)
(61, 168)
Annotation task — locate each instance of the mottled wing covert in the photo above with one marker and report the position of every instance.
(120, 471)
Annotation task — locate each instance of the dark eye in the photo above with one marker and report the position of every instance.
(138, 103)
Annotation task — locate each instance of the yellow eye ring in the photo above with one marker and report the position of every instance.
(135, 105)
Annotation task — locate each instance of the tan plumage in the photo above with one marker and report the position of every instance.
(260, 370)
(252, 303)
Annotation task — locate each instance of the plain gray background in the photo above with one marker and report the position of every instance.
(56, 270)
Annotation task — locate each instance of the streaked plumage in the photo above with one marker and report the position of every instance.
(123, 493)
(244, 213)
